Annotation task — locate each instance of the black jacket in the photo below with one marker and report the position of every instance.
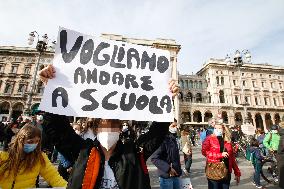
(125, 161)
(166, 156)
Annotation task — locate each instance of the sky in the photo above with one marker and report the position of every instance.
(204, 28)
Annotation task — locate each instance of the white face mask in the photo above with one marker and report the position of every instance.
(108, 139)
(274, 131)
(124, 128)
(218, 132)
(173, 130)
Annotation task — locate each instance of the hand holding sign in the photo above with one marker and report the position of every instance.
(47, 73)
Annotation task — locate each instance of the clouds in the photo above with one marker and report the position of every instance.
(204, 28)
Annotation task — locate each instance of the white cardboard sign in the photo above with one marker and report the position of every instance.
(108, 79)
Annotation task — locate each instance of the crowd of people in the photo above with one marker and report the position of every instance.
(72, 146)
(110, 154)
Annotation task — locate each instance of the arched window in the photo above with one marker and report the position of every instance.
(188, 97)
(186, 84)
(198, 97)
(200, 85)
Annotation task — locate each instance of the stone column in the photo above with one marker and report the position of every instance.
(203, 116)
(253, 120)
(263, 121)
(10, 113)
(190, 116)
(231, 118)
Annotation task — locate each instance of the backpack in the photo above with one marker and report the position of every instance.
(252, 158)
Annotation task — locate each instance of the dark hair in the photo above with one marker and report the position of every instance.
(254, 142)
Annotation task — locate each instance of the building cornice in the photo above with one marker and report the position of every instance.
(220, 63)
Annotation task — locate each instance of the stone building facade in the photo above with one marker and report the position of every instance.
(17, 67)
(258, 87)
(193, 97)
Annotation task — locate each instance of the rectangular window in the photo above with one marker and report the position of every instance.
(27, 70)
(283, 101)
(262, 84)
(234, 82)
(21, 88)
(246, 99)
(14, 69)
(233, 73)
(271, 84)
(1, 69)
(8, 88)
(253, 83)
(274, 100)
(280, 85)
(256, 102)
(243, 74)
(265, 101)
(244, 83)
(0, 84)
(236, 99)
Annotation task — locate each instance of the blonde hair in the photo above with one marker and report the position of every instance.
(226, 132)
(17, 158)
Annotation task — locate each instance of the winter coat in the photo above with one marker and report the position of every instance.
(184, 139)
(28, 179)
(88, 134)
(260, 139)
(280, 159)
(127, 162)
(167, 156)
(256, 154)
(211, 150)
(271, 141)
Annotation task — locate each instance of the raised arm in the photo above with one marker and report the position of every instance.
(151, 140)
(62, 135)
(57, 127)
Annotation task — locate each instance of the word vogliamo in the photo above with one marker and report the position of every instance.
(89, 51)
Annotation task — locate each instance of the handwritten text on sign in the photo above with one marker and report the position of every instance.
(108, 79)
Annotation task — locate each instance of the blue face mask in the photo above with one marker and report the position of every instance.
(28, 148)
(218, 132)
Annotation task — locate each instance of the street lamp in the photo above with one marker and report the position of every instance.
(239, 59)
(41, 47)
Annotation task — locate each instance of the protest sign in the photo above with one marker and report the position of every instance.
(108, 79)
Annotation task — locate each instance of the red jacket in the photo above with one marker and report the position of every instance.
(211, 150)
